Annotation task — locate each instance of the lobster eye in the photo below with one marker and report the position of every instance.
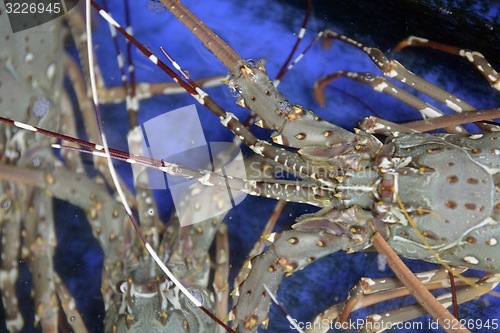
(37, 161)
(5, 204)
(198, 294)
(121, 287)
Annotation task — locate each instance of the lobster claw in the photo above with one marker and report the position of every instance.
(350, 223)
(352, 154)
(315, 236)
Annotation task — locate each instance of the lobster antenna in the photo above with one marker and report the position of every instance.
(172, 169)
(251, 187)
(228, 119)
(292, 321)
(95, 100)
(129, 87)
(454, 299)
(119, 189)
(284, 68)
(210, 40)
(277, 81)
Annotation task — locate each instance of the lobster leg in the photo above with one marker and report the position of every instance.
(376, 125)
(282, 258)
(393, 69)
(260, 244)
(103, 212)
(381, 84)
(443, 122)
(259, 94)
(474, 57)
(369, 291)
(290, 251)
(10, 223)
(69, 307)
(468, 293)
(221, 278)
(41, 243)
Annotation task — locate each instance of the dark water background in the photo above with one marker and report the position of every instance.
(266, 30)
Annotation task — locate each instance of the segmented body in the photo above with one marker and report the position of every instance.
(238, 228)
(342, 150)
(460, 188)
(31, 91)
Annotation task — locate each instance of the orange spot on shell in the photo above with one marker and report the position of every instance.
(471, 240)
(451, 204)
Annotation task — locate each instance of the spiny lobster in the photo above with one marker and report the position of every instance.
(32, 70)
(184, 65)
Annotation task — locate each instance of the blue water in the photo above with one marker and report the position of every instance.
(266, 30)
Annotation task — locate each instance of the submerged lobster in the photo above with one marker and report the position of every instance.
(357, 176)
(368, 189)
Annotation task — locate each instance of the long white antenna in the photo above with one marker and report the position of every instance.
(292, 321)
(114, 176)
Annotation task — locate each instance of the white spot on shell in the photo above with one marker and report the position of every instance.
(25, 126)
(28, 58)
(381, 262)
(420, 39)
(278, 139)
(257, 149)
(41, 107)
(430, 112)
(426, 276)
(453, 106)
(153, 59)
(380, 87)
(369, 281)
(471, 260)
(271, 237)
(205, 180)
(225, 120)
(496, 85)
(391, 73)
(51, 71)
(447, 304)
